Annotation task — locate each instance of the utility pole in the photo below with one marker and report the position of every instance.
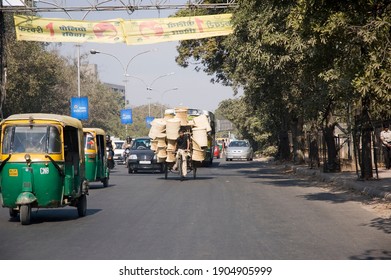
(3, 64)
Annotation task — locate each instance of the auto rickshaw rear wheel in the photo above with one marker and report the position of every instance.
(25, 214)
(13, 213)
(106, 182)
(82, 206)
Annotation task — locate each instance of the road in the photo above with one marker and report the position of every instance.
(234, 210)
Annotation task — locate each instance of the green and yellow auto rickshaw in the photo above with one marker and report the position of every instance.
(42, 164)
(95, 156)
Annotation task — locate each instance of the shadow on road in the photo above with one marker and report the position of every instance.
(98, 186)
(138, 173)
(283, 182)
(190, 178)
(381, 224)
(238, 165)
(55, 215)
(332, 197)
(373, 255)
(247, 169)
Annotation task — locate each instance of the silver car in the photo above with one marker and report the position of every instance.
(239, 149)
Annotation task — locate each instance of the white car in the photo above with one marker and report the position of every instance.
(239, 149)
(118, 151)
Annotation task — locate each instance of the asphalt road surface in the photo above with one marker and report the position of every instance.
(233, 210)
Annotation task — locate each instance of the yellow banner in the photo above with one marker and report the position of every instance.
(30, 28)
(150, 31)
(133, 32)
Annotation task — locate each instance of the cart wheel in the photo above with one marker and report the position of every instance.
(13, 213)
(180, 166)
(106, 182)
(25, 214)
(194, 171)
(130, 171)
(82, 206)
(165, 171)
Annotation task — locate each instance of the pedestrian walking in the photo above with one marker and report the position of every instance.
(223, 147)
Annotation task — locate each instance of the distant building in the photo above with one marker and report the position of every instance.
(116, 88)
(90, 70)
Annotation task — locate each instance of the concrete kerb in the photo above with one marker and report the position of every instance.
(346, 181)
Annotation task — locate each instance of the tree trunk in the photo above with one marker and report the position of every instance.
(366, 140)
(332, 163)
(298, 141)
(314, 147)
(284, 152)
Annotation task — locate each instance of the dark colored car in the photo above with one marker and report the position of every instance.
(141, 157)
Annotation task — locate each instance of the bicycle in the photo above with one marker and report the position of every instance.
(191, 167)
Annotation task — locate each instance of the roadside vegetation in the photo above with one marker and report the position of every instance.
(39, 79)
(302, 65)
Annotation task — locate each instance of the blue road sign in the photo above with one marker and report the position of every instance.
(149, 120)
(126, 116)
(79, 107)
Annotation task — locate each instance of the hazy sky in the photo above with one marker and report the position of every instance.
(194, 88)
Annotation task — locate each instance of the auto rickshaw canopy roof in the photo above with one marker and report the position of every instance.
(63, 120)
(97, 131)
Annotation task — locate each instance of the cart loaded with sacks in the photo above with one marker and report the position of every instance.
(164, 133)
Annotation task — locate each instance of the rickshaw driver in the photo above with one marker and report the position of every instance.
(182, 148)
(128, 143)
(110, 146)
(35, 143)
(109, 143)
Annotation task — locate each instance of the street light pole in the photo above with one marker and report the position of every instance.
(78, 70)
(149, 105)
(125, 69)
(150, 89)
(161, 100)
(159, 77)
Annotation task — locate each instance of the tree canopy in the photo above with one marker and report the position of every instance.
(42, 81)
(300, 62)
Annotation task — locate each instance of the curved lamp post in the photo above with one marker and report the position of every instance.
(162, 96)
(150, 89)
(124, 68)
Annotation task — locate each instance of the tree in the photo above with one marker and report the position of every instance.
(357, 34)
(104, 107)
(139, 126)
(42, 81)
(250, 125)
(304, 61)
(38, 81)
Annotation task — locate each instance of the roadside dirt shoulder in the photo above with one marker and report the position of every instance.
(378, 206)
